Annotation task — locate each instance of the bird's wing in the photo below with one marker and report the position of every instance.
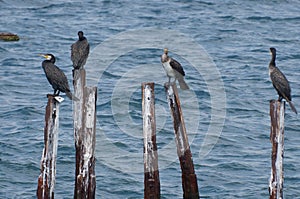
(60, 79)
(74, 52)
(79, 53)
(280, 83)
(84, 52)
(177, 66)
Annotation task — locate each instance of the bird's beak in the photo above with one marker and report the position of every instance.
(45, 56)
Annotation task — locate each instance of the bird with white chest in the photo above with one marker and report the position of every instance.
(173, 70)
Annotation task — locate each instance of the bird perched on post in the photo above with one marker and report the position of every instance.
(56, 76)
(173, 69)
(80, 51)
(279, 81)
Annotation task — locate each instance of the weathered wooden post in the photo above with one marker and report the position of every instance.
(85, 136)
(46, 180)
(277, 110)
(151, 173)
(189, 178)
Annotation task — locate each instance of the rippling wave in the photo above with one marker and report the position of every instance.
(236, 35)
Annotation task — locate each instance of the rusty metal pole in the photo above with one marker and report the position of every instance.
(277, 110)
(189, 178)
(46, 180)
(85, 136)
(151, 173)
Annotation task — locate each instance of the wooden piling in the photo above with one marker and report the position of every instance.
(85, 136)
(46, 180)
(277, 111)
(189, 178)
(151, 172)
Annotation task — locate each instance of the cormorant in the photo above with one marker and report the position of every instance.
(173, 69)
(280, 82)
(56, 76)
(80, 51)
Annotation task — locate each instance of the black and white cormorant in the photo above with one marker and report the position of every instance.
(56, 76)
(279, 81)
(173, 69)
(80, 51)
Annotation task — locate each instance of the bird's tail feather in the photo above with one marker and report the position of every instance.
(71, 96)
(183, 85)
(292, 107)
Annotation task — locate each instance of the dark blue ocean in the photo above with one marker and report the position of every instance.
(223, 47)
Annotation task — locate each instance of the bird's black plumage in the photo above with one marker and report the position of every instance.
(279, 81)
(80, 51)
(177, 66)
(56, 76)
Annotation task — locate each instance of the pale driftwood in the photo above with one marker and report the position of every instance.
(151, 173)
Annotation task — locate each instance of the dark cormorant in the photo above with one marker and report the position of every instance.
(173, 69)
(80, 51)
(280, 82)
(56, 76)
